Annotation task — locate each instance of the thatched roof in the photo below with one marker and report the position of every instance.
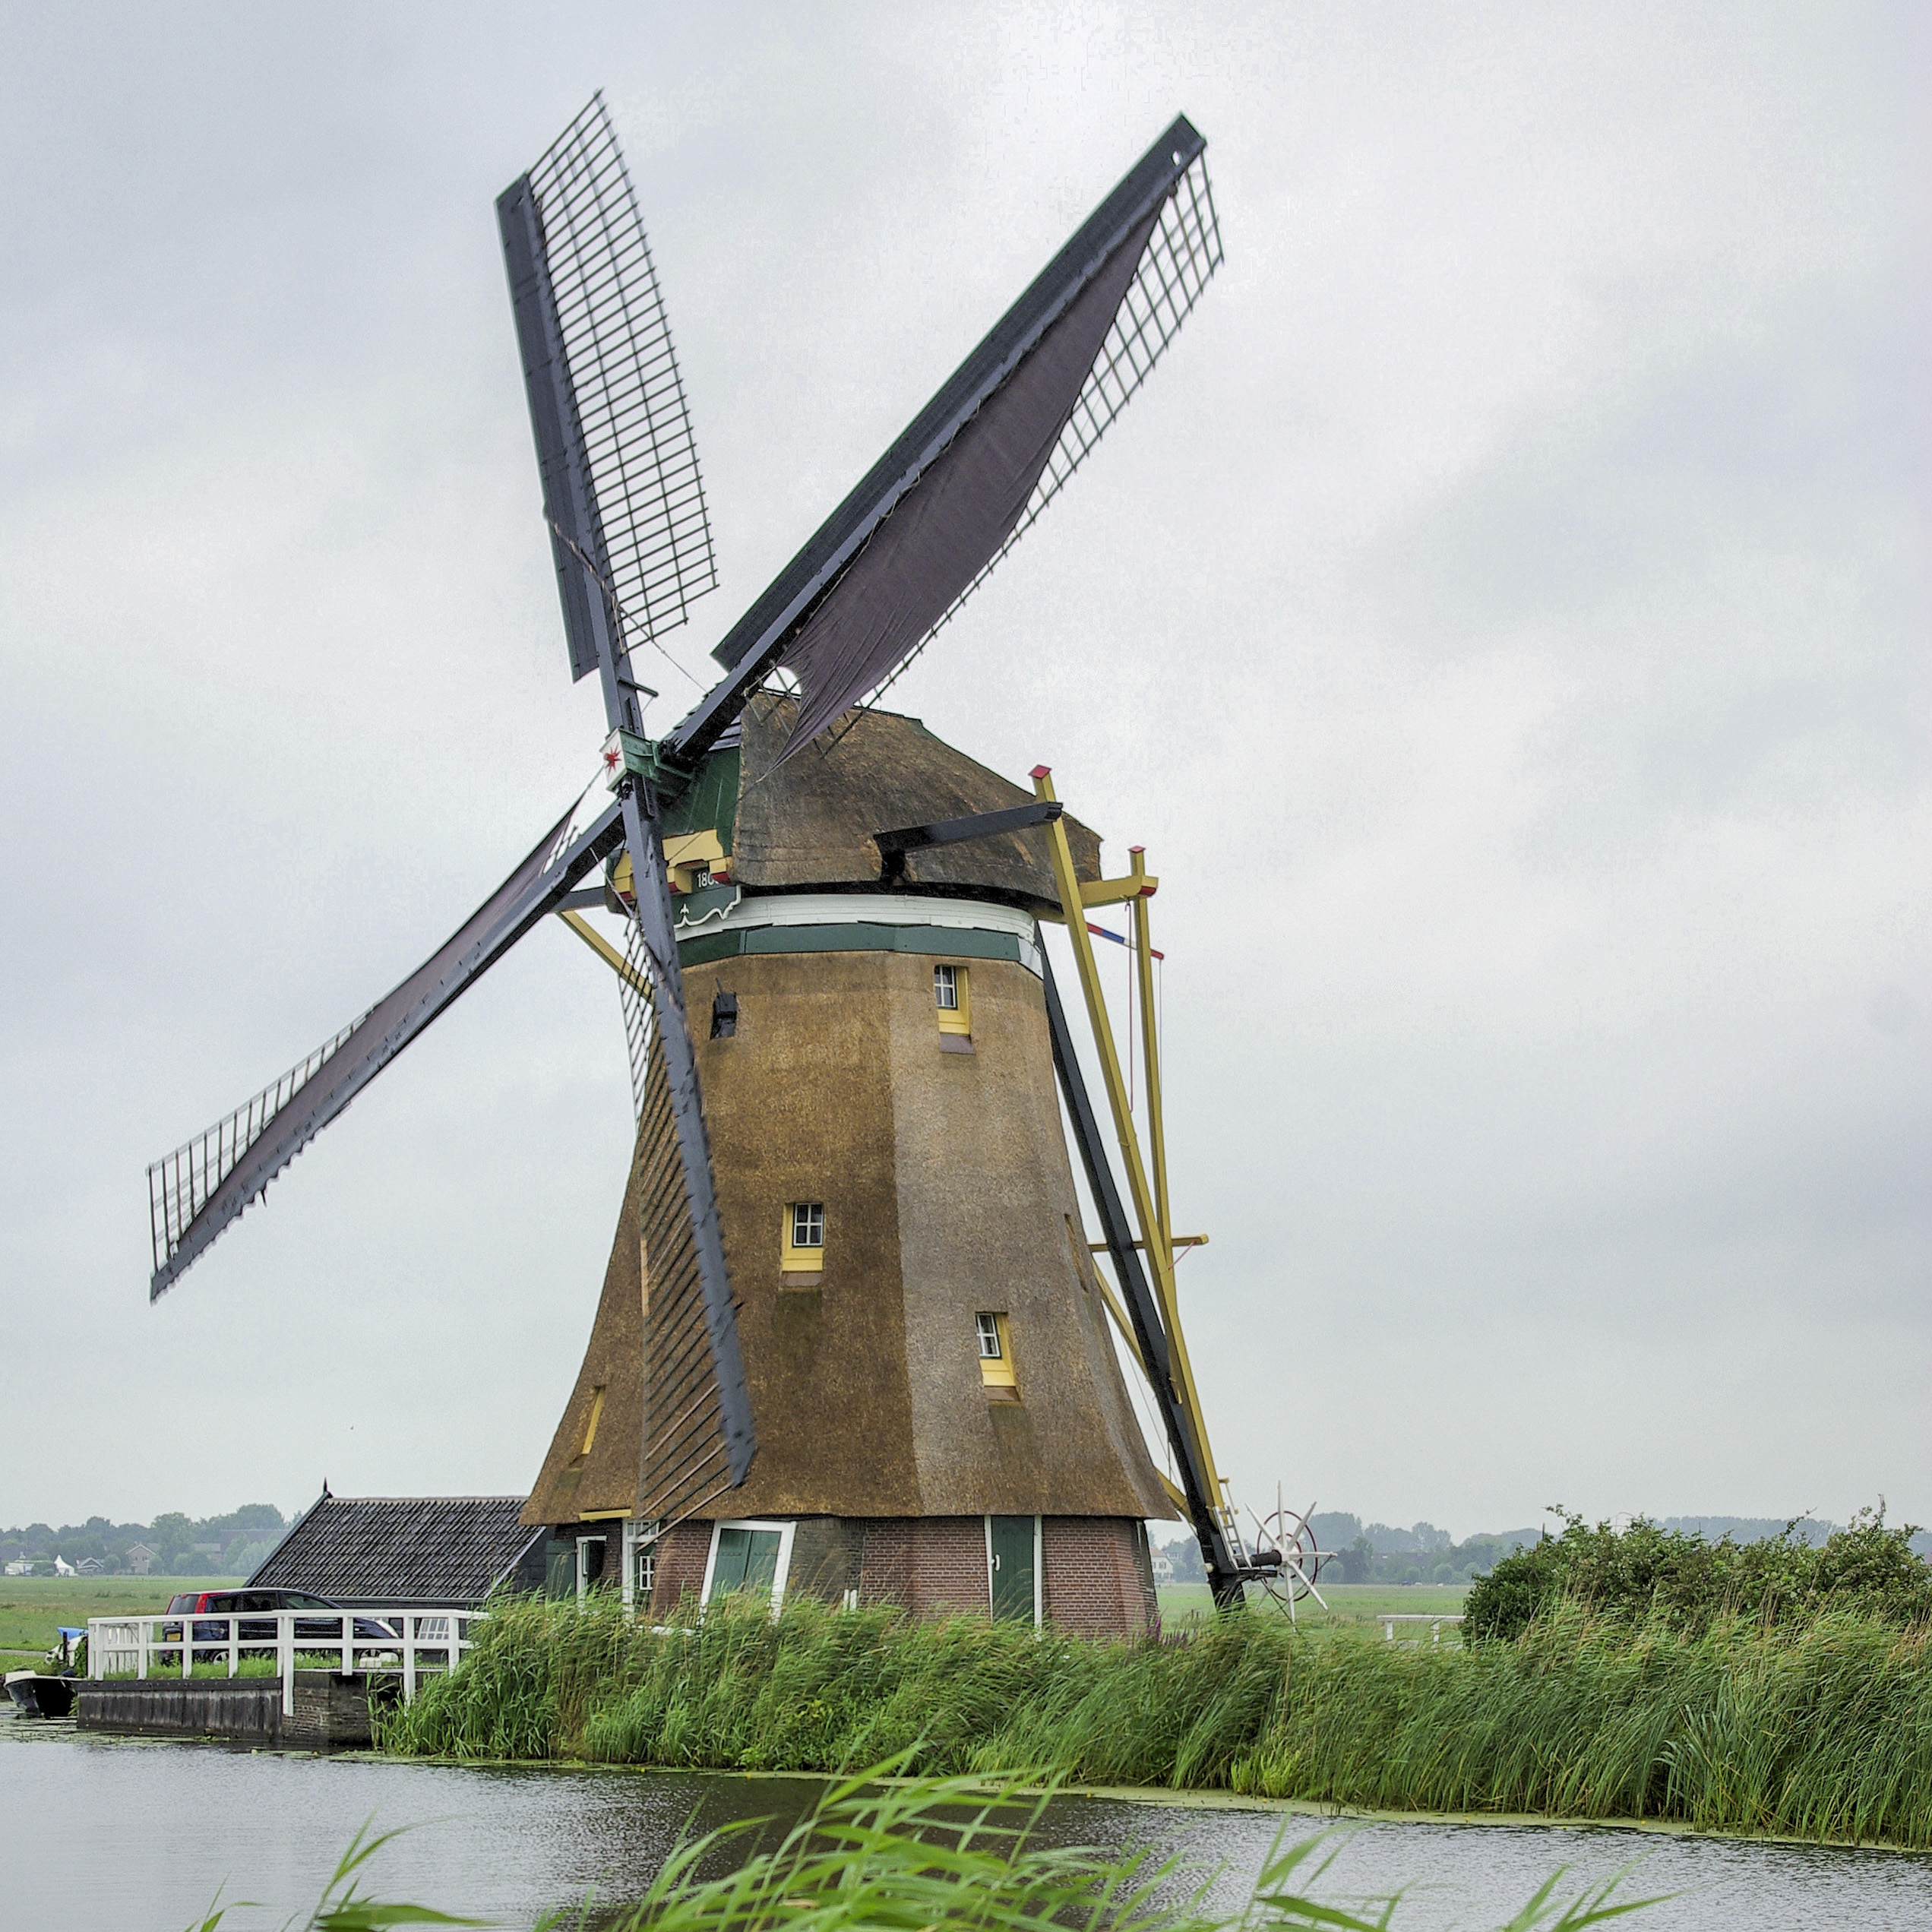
(810, 823)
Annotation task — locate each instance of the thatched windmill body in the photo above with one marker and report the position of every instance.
(851, 1339)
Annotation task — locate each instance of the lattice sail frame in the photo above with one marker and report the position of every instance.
(640, 1013)
(1179, 261)
(178, 1184)
(631, 404)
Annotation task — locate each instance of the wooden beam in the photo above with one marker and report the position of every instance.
(1152, 1234)
(1111, 892)
(606, 951)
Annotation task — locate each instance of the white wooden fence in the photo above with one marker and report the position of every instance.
(1389, 1619)
(155, 1646)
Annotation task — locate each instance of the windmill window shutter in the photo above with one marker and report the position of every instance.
(724, 1015)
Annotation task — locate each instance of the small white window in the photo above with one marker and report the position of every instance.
(808, 1224)
(640, 1562)
(952, 993)
(997, 1369)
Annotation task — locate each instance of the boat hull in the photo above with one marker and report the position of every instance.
(42, 1696)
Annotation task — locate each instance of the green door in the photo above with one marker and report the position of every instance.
(747, 1560)
(1010, 1541)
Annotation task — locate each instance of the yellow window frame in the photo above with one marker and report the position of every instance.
(957, 1019)
(997, 1372)
(590, 1427)
(795, 1260)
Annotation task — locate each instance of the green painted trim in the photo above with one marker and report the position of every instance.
(950, 942)
(709, 802)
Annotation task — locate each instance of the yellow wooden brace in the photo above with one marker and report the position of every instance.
(1153, 1223)
(606, 951)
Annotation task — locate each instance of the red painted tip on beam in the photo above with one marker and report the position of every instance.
(1137, 848)
(1041, 771)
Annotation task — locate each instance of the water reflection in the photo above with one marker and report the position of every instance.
(97, 1832)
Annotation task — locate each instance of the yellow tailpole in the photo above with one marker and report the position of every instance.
(1153, 1225)
(606, 951)
(1150, 1051)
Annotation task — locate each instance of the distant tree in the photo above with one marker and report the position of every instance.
(1334, 1529)
(1355, 1561)
(170, 1535)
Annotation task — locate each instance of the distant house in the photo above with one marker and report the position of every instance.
(87, 1566)
(405, 1552)
(140, 1559)
(1163, 1567)
(20, 1567)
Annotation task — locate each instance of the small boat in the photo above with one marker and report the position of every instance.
(42, 1696)
(47, 1692)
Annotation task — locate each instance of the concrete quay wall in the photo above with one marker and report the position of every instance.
(330, 1709)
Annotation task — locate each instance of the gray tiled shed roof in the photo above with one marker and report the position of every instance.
(439, 1551)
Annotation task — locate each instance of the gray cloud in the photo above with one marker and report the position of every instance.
(1503, 618)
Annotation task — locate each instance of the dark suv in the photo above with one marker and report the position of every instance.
(318, 1631)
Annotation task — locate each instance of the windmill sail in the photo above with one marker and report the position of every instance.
(621, 487)
(204, 1185)
(991, 449)
(626, 510)
(922, 558)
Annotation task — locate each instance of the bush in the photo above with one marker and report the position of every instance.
(1644, 1571)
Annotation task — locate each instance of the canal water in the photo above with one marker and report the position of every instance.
(125, 1833)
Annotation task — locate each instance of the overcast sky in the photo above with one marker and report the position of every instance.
(1504, 618)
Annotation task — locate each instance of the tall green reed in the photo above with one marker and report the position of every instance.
(1822, 1730)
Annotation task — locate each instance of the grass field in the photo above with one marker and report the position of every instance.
(32, 1606)
(1352, 1606)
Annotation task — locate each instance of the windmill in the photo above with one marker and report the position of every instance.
(885, 868)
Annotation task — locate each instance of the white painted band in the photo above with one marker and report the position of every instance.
(841, 908)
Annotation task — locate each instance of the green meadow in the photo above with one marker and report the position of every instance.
(1349, 1606)
(32, 1607)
